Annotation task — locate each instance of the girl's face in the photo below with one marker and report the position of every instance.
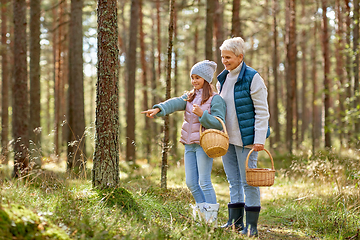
(230, 60)
(197, 81)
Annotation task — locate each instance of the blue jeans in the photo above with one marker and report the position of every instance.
(198, 174)
(234, 166)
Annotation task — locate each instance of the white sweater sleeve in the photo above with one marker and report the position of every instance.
(258, 92)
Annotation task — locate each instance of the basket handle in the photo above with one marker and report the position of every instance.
(222, 123)
(247, 159)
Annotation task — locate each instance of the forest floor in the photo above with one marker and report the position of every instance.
(312, 198)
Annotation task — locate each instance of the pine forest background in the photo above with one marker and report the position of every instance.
(307, 51)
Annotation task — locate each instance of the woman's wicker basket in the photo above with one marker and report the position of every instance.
(260, 177)
(214, 142)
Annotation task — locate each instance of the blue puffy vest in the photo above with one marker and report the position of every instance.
(244, 105)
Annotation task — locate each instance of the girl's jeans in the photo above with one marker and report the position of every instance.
(234, 166)
(198, 174)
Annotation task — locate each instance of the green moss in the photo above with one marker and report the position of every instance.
(17, 222)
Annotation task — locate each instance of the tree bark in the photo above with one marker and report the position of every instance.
(210, 9)
(325, 44)
(236, 26)
(147, 129)
(34, 121)
(106, 154)
(4, 156)
(356, 62)
(131, 69)
(291, 60)
(219, 33)
(76, 161)
(164, 161)
(339, 53)
(275, 115)
(20, 117)
(315, 109)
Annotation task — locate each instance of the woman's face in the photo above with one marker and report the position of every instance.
(230, 60)
(197, 81)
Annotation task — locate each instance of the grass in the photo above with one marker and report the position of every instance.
(314, 197)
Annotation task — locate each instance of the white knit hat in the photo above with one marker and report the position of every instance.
(204, 69)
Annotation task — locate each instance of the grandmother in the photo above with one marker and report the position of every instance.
(247, 117)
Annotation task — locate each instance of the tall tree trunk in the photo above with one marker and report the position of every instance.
(315, 108)
(57, 48)
(154, 100)
(210, 9)
(325, 44)
(131, 69)
(235, 20)
(339, 53)
(304, 113)
(164, 160)
(20, 117)
(158, 22)
(219, 33)
(348, 64)
(34, 121)
(76, 119)
(4, 156)
(147, 129)
(106, 154)
(356, 50)
(174, 120)
(275, 114)
(291, 60)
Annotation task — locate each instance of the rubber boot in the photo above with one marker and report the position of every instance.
(252, 217)
(236, 215)
(211, 213)
(198, 211)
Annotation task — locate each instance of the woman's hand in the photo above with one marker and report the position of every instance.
(258, 147)
(151, 112)
(197, 110)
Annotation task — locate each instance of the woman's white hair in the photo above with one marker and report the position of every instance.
(236, 45)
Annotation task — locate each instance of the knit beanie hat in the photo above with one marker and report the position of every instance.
(204, 69)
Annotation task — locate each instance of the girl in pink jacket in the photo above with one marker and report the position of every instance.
(201, 105)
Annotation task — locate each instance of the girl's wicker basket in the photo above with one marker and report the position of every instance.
(214, 142)
(260, 177)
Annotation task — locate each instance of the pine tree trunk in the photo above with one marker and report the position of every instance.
(348, 63)
(147, 129)
(304, 112)
(210, 9)
(356, 62)
(20, 116)
(291, 71)
(164, 161)
(339, 53)
(106, 154)
(131, 69)
(219, 33)
(34, 121)
(76, 120)
(315, 108)
(235, 20)
(4, 155)
(275, 115)
(325, 44)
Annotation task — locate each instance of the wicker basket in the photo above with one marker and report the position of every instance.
(260, 177)
(214, 142)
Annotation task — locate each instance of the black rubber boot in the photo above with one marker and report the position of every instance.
(236, 215)
(252, 217)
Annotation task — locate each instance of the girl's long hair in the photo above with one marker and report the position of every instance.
(208, 91)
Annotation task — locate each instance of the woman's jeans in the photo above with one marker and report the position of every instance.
(198, 174)
(234, 166)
